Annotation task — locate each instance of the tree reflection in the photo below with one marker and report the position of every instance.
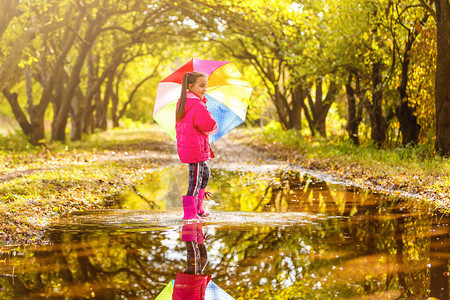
(366, 244)
(87, 265)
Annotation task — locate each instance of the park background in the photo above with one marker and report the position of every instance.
(363, 71)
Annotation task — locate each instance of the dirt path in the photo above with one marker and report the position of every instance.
(227, 150)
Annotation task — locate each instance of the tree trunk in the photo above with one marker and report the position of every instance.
(308, 115)
(113, 93)
(316, 106)
(114, 115)
(76, 132)
(325, 108)
(33, 129)
(89, 108)
(17, 111)
(76, 115)
(442, 99)
(409, 127)
(102, 106)
(375, 109)
(61, 116)
(282, 111)
(319, 109)
(299, 94)
(352, 118)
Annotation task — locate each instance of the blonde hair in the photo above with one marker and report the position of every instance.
(188, 78)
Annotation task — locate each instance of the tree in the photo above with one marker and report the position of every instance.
(269, 37)
(318, 108)
(47, 59)
(354, 109)
(350, 27)
(119, 33)
(95, 22)
(367, 64)
(441, 14)
(33, 125)
(403, 18)
(282, 41)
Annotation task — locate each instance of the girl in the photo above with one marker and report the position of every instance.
(193, 125)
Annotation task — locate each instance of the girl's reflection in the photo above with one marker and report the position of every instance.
(191, 284)
(197, 258)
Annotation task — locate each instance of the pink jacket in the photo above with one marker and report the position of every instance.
(190, 286)
(193, 130)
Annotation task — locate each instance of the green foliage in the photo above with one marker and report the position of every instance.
(274, 132)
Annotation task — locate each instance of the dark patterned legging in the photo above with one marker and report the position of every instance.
(198, 177)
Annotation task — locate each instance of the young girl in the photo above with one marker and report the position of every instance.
(193, 125)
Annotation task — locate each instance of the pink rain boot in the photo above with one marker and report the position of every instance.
(190, 231)
(190, 207)
(201, 195)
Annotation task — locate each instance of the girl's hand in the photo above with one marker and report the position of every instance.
(206, 236)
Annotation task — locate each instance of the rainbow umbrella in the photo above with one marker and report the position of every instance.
(227, 94)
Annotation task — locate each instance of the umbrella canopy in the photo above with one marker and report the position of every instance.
(227, 94)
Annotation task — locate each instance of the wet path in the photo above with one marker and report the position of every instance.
(273, 234)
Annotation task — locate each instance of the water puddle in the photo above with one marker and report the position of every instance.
(273, 233)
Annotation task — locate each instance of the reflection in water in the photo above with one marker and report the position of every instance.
(196, 256)
(193, 283)
(278, 235)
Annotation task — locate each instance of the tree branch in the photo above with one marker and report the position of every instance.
(428, 8)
